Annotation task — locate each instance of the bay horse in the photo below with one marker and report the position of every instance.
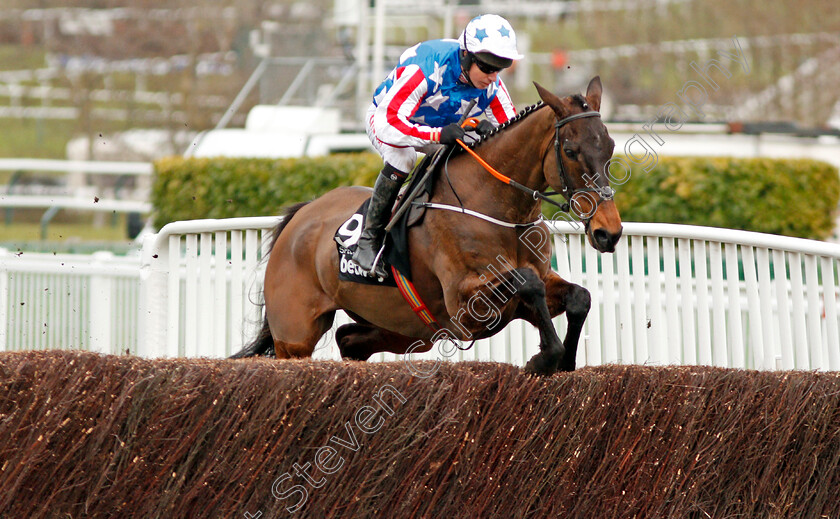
(561, 143)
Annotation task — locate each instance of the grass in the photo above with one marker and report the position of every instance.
(19, 57)
(74, 237)
(35, 139)
(28, 137)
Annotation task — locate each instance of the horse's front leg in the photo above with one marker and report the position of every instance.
(563, 296)
(524, 296)
(532, 294)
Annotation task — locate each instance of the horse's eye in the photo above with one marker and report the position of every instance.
(571, 153)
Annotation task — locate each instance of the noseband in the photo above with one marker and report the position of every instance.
(568, 191)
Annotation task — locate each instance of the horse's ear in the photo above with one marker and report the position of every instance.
(593, 93)
(550, 99)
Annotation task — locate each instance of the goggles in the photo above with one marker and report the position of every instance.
(486, 67)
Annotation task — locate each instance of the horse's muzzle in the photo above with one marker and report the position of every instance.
(604, 240)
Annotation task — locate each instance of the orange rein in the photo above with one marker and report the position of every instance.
(471, 123)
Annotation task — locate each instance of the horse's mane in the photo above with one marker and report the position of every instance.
(528, 110)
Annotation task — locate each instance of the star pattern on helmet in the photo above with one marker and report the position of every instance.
(504, 32)
(480, 34)
(436, 100)
(437, 76)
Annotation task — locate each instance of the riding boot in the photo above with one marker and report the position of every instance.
(379, 212)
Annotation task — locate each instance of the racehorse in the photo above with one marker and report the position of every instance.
(561, 143)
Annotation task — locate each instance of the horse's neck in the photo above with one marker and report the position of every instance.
(516, 152)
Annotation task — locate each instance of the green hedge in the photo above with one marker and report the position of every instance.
(790, 197)
(189, 189)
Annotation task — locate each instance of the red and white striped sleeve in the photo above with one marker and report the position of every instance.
(391, 120)
(501, 108)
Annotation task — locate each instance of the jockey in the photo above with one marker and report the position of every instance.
(421, 101)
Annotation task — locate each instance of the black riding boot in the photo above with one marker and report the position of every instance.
(379, 212)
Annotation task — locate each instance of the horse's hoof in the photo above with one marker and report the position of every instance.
(539, 366)
(348, 353)
(349, 348)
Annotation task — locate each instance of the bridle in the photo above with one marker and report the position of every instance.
(568, 192)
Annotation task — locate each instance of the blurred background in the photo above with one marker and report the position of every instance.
(130, 81)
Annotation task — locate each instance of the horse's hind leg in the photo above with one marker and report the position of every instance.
(301, 345)
(302, 342)
(297, 309)
(358, 341)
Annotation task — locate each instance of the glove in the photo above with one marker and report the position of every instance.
(450, 133)
(484, 127)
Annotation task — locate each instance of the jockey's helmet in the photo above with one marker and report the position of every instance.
(490, 39)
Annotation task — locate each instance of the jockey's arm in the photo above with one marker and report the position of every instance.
(391, 118)
(501, 108)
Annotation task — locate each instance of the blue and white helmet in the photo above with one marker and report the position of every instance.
(491, 37)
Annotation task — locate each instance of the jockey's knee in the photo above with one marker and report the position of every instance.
(393, 173)
(402, 159)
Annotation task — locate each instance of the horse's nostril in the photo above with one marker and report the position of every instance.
(604, 240)
(601, 236)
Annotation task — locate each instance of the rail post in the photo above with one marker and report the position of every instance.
(100, 304)
(154, 262)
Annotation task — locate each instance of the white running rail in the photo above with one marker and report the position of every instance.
(679, 294)
(671, 294)
(189, 306)
(69, 301)
(720, 297)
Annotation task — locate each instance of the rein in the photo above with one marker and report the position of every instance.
(509, 181)
(568, 192)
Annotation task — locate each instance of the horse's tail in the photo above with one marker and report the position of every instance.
(263, 342)
(259, 346)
